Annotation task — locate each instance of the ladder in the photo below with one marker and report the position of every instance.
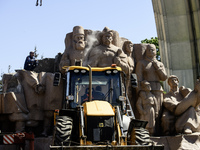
(129, 108)
(128, 104)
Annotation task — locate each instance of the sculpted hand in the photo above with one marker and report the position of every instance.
(156, 64)
(117, 60)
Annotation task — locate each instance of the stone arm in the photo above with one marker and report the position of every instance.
(121, 61)
(30, 77)
(160, 70)
(155, 105)
(191, 100)
(170, 104)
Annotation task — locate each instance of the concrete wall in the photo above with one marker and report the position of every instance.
(178, 25)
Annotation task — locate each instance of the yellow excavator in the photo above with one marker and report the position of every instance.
(96, 112)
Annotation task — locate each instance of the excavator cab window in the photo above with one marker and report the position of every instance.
(106, 86)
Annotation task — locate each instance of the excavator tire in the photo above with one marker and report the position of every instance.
(62, 131)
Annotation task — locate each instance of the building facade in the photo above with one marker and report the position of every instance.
(178, 29)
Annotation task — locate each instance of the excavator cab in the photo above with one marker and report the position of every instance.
(106, 85)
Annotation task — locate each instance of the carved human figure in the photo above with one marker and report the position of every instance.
(13, 103)
(153, 71)
(179, 115)
(128, 49)
(33, 92)
(52, 100)
(74, 47)
(147, 106)
(106, 54)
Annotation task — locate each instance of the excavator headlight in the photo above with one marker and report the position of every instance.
(76, 71)
(115, 71)
(108, 72)
(83, 71)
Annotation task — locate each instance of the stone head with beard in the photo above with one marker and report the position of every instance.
(78, 38)
(74, 48)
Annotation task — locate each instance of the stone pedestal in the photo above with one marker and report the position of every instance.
(179, 142)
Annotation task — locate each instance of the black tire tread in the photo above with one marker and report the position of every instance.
(63, 130)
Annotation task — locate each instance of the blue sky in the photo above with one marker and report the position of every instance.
(24, 26)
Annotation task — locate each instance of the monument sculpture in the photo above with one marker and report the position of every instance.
(153, 71)
(33, 99)
(128, 50)
(179, 114)
(107, 53)
(147, 106)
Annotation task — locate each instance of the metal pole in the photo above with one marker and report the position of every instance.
(90, 83)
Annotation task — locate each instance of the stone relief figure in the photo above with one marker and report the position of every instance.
(32, 101)
(153, 71)
(74, 47)
(179, 115)
(33, 93)
(12, 102)
(128, 49)
(51, 101)
(107, 53)
(147, 106)
(40, 97)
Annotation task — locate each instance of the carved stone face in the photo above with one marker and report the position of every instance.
(79, 43)
(147, 87)
(173, 82)
(129, 47)
(107, 39)
(151, 51)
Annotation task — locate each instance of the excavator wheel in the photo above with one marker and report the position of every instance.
(62, 131)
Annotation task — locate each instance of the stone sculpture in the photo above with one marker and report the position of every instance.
(13, 102)
(128, 50)
(74, 47)
(52, 100)
(94, 48)
(34, 101)
(13, 106)
(179, 114)
(153, 71)
(107, 53)
(147, 106)
(32, 92)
